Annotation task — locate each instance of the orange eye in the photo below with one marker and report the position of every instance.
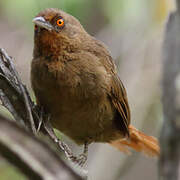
(35, 27)
(60, 22)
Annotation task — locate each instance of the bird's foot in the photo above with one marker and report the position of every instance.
(82, 158)
(40, 119)
(79, 160)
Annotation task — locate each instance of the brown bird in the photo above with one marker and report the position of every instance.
(75, 80)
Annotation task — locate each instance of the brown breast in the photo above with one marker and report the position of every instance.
(76, 97)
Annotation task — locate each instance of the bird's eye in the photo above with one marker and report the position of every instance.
(35, 27)
(60, 22)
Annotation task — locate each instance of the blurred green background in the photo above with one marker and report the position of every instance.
(133, 31)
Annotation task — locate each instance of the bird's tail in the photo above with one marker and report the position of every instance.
(139, 142)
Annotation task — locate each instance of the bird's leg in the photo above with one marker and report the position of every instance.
(48, 128)
(80, 160)
(41, 116)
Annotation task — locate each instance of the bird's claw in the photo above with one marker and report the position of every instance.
(39, 124)
(79, 160)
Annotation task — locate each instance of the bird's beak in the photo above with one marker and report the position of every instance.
(41, 22)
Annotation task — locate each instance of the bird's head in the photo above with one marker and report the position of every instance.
(54, 29)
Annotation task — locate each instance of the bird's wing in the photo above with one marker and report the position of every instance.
(119, 100)
(117, 93)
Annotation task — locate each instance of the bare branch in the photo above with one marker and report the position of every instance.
(30, 155)
(170, 135)
(14, 92)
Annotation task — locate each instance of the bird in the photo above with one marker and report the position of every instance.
(75, 80)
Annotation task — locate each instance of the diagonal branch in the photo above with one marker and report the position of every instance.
(14, 91)
(30, 155)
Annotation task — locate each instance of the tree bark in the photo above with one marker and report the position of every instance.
(31, 156)
(170, 134)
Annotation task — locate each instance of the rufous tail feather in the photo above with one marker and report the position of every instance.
(139, 142)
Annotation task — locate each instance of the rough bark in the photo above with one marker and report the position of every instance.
(30, 155)
(170, 134)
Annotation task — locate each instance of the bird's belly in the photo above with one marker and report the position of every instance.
(81, 110)
(85, 117)
(85, 120)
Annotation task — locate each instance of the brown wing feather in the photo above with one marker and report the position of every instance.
(117, 92)
(119, 100)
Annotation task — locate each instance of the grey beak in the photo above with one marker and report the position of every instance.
(41, 22)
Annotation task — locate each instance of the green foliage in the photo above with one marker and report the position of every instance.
(120, 12)
(24, 11)
(8, 172)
